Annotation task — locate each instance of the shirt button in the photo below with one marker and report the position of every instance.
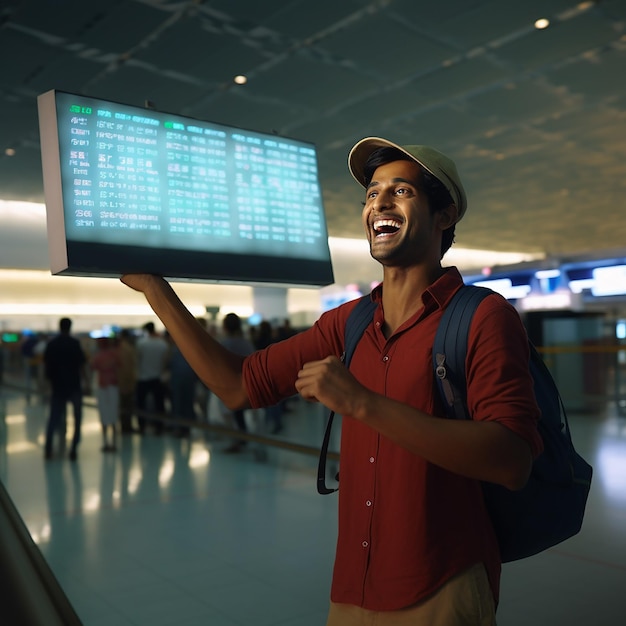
(385, 358)
(371, 459)
(378, 324)
(368, 502)
(365, 544)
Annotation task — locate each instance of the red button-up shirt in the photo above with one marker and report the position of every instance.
(405, 525)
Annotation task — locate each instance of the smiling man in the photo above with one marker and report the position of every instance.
(415, 543)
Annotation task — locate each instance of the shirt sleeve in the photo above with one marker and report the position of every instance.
(270, 374)
(499, 384)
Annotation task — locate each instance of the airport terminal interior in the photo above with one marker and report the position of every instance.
(207, 141)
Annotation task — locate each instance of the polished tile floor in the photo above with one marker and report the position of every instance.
(170, 531)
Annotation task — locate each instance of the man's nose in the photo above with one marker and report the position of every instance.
(384, 200)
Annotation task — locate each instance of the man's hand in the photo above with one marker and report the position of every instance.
(140, 282)
(328, 381)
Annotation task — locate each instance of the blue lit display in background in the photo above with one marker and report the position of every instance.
(588, 280)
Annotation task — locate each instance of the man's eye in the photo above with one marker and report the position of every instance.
(401, 191)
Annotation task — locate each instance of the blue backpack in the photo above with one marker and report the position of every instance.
(551, 507)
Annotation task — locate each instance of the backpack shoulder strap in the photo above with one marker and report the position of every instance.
(358, 320)
(450, 348)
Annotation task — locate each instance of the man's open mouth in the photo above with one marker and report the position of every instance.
(386, 226)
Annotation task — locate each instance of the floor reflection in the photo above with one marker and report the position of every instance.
(171, 530)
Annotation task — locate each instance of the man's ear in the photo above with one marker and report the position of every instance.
(448, 216)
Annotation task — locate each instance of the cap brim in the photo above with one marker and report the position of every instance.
(361, 151)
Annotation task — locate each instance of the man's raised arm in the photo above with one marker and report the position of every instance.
(218, 368)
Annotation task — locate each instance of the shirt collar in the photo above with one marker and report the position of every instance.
(437, 294)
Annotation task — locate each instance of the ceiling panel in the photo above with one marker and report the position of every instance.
(521, 102)
(223, 64)
(588, 76)
(601, 129)
(464, 78)
(616, 9)
(313, 84)
(249, 12)
(22, 57)
(236, 108)
(135, 85)
(303, 19)
(435, 17)
(60, 18)
(64, 71)
(408, 54)
(490, 22)
(181, 44)
(464, 126)
(131, 22)
(557, 44)
(379, 106)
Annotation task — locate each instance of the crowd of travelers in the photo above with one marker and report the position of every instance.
(138, 377)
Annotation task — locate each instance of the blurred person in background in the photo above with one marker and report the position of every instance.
(152, 355)
(106, 363)
(127, 380)
(182, 390)
(202, 392)
(235, 341)
(266, 335)
(65, 368)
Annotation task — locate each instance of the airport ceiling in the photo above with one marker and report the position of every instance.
(535, 119)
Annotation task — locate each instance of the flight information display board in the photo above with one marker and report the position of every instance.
(130, 189)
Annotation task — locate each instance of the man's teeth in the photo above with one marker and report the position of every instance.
(386, 225)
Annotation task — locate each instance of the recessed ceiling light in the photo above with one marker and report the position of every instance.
(10, 152)
(542, 23)
(240, 79)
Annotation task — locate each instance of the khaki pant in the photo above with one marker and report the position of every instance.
(465, 600)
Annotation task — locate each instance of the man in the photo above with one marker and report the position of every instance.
(152, 355)
(64, 363)
(415, 543)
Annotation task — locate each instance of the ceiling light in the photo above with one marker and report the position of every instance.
(10, 152)
(240, 79)
(542, 23)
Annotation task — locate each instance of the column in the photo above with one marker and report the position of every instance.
(270, 303)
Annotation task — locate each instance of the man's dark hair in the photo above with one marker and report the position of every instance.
(438, 196)
(149, 327)
(65, 324)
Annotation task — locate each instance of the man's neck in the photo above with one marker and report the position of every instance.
(402, 292)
